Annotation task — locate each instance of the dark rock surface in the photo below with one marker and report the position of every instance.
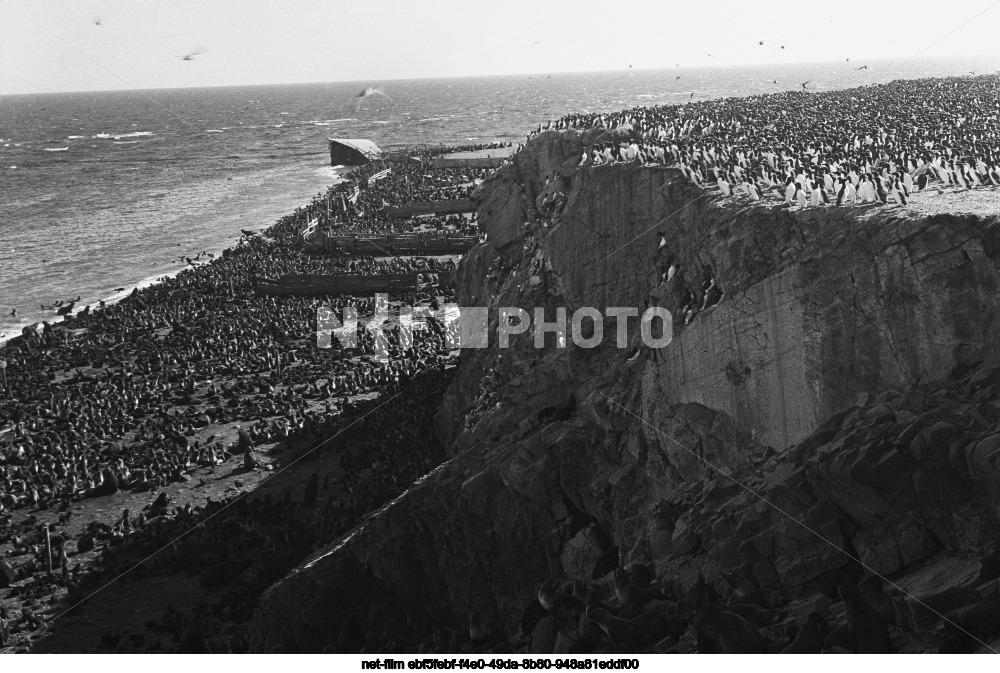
(836, 413)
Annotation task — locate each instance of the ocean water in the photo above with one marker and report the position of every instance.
(110, 189)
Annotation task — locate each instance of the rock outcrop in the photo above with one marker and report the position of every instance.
(836, 411)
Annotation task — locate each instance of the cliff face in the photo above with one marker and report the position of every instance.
(840, 378)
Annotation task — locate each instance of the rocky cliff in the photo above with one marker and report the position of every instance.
(835, 411)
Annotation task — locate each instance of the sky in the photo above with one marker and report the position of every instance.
(93, 45)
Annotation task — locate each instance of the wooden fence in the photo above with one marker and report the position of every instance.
(321, 284)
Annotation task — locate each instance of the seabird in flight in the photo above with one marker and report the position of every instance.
(193, 55)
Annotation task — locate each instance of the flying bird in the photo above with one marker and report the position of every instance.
(864, 67)
(193, 55)
(806, 82)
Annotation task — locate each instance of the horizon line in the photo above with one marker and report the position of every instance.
(514, 74)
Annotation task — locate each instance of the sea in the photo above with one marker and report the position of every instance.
(108, 190)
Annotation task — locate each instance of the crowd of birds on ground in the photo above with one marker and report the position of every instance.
(427, 152)
(148, 372)
(116, 399)
(409, 180)
(238, 546)
(871, 144)
(365, 265)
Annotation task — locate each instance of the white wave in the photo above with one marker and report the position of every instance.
(126, 142)
(134, 134)
(214, 131)
(119, 136)
(331, 173)
(56, 149)
(74, 137)
(327, 122)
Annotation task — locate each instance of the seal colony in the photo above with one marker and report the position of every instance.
(199, 377)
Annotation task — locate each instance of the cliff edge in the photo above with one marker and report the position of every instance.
(835, 412)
